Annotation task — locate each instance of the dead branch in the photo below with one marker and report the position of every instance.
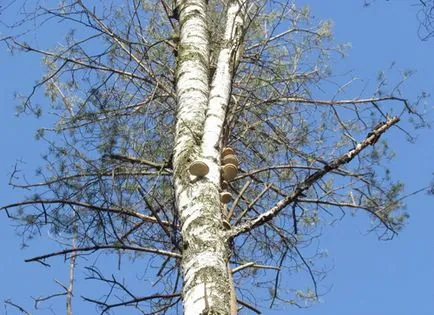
(98, 247)
(131, 159)
(249, 306)
(19, 308)
(310, 180)
(252, 265)
(107, 307)
(122, 211)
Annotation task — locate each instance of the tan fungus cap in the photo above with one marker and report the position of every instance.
(229, 171)
(225, 197)
(198, 168)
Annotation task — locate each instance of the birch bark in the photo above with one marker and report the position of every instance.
(201, 113)
(206, 285)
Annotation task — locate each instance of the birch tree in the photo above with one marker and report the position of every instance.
(192, 134)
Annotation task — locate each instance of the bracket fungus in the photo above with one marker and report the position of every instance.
(230, 159)
(198, 168)
(225, 197)
(227, 151)
(229, 172)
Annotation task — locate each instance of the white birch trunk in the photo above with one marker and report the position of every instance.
(206, 287)
(221, 83)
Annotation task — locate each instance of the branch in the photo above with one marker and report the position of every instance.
(80, 63)
(85, 205)
(252, 265)
(131, 159)
(249, 306)
(98, 247)
(252, 203)
(343, 102)
(46, 298)
(371, 139)
(269, 168)
(237, 200)
(19, 308)
(121, 43)
(133, 301)
(143, 193)
(109, 173)
(282, 34)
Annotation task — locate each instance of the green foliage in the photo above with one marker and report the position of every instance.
(111, 86)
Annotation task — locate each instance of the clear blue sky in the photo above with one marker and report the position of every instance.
(367, 276)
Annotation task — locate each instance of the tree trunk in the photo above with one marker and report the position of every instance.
(207, 288)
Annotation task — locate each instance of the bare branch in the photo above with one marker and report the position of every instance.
(253, 265)
(109, 173)
(249, 306)
(122, 211)
(310, 180)
(19, 308)
(131, 159)
(235, 203)
(98, 247)
(344, 102)
(134, 301)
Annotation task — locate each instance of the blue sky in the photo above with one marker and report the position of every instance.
(367, 276)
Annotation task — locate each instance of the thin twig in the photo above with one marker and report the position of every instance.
(235, 203)
(21, 309)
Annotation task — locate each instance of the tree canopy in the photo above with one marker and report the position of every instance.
(139, 90)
